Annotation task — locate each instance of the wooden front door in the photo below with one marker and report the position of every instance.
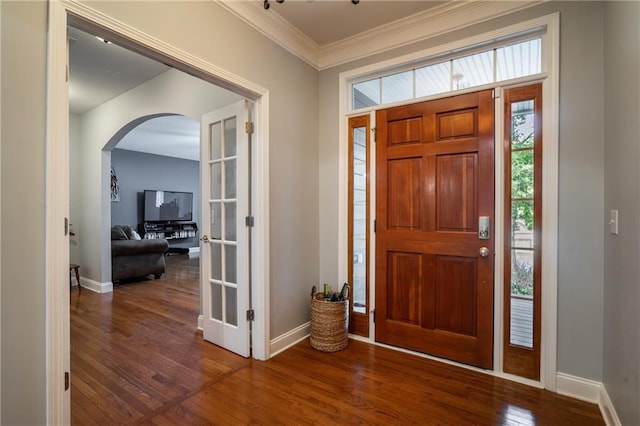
(435, 179)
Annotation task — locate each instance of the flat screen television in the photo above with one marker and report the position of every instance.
(168, 206)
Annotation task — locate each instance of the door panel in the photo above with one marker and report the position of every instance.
(435, 177)
(405, 285)
(224, 250)
(456, 176)
(404, 193)
(455, 295)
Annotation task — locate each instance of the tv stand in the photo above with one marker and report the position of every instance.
(169, 230)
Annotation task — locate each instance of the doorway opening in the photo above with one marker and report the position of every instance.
(60, 16)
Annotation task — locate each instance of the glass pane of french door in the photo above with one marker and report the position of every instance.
(222, 205)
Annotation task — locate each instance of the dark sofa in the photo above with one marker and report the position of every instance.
(133, 258)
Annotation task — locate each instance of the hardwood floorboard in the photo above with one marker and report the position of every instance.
(136, 358)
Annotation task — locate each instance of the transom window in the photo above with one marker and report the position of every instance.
(483, 66)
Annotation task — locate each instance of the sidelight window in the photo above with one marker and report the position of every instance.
(523, 212)
(359, 130)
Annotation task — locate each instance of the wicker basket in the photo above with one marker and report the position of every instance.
(329, 323)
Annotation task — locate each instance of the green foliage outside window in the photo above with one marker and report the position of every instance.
(521, 278)
(522, 188)
(522, 169)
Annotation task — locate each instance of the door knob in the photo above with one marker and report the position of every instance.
(204, 239)
(484, 252)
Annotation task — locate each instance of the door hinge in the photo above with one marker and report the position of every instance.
(373, 130)
(66, 380)
(373, 312)
(66, 226)
(249, 221)
(66, 73)
(251, 315)
(375, 222)
(248, 127)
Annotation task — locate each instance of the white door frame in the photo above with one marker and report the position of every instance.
(550, 80)
(57, 188)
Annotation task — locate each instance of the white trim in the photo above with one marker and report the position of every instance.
(139, 42)
(260, 231)
(578, 388)
(57, 346)
(96, 286)
(194, 251)
(607, 409)
(550, 161)
(438, 20)
(443, 19)
(589, 391)
(275, 28)
(290, 338)
(56, 244)
(200, 321)
(550, 77)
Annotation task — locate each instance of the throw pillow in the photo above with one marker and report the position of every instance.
(117, 233)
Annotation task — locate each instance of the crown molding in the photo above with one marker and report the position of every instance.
(420, 26)
(275, 28)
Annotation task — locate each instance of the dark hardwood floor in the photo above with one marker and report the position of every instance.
(136, 357)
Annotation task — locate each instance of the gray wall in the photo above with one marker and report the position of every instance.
(202, 29)
(622, 183)
(581, 234)
(302, 162)
(293, 136)
(22, 179)
(138, 171)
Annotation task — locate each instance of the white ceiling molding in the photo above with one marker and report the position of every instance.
(275, 28)
(420, 26)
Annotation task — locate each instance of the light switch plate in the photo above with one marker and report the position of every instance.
(613, 222)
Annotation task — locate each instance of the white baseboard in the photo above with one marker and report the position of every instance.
(578, 388)
(288, 339)
(589, 391)
(96, 286)
(200, 322)
(194, 251)
(607, 409)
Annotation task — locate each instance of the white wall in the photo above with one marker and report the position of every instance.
(74, 188)
(580, 262)
(622, 183)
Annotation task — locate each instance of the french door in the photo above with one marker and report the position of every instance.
(224, 255)
(434, 233)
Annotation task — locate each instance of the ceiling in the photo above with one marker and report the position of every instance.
(329, 21)
(101, 71)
